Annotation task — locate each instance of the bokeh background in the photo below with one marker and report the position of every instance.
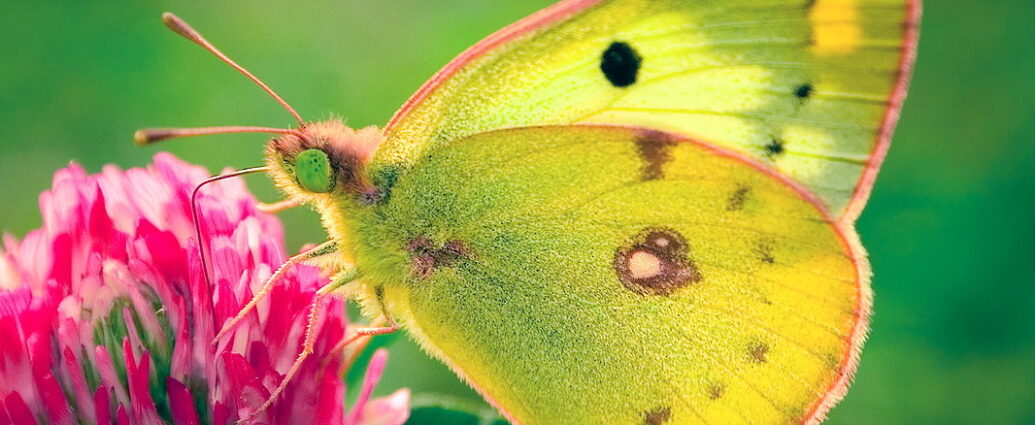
(950, 227)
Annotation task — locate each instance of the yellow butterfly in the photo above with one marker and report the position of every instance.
(621, 211)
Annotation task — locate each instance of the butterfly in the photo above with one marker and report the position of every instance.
(620, 211)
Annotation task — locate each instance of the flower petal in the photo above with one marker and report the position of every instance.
(58, 410)
(102, 405)
(181, 404)
(117, 266)
(331, 399)
(18, 410)
(78, 384)
(374, 370)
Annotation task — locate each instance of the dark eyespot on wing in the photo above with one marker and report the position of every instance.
(657, 416)
(655, 150)
(621, 64)
(758, 352)
(656, 263)
(738, 198)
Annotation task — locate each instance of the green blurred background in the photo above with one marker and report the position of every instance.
(950, 227)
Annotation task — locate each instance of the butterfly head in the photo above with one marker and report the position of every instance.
(313, 161)
(324, 158)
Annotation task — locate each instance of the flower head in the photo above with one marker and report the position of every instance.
(106, 315)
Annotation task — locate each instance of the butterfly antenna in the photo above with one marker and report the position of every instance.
(182, 28)
(153, 135)
(195, 215)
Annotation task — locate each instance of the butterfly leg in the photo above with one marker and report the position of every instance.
(321, 250)
(387, 325)
(360, 336)
(309, 343)
(277, 207)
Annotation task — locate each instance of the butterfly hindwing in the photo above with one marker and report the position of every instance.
(811, 87)
(595, 274)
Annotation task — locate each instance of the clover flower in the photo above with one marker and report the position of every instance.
(106, 316)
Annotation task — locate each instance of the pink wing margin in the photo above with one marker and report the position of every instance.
(568, 8)
(898, 95)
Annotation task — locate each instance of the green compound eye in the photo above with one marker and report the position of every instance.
(313, 171)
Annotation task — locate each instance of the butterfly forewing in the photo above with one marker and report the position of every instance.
(811, 87)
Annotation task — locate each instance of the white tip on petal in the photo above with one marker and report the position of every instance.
(391, 410)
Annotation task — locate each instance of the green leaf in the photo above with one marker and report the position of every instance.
(437, 409)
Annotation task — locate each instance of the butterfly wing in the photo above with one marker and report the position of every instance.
(812, 87)
(597, 274)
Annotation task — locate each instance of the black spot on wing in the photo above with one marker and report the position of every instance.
(422, 266)
(775, 148)
(716, 390)
(758, 352)
(621, 64)
(425, 257)
(738, 198)
(655, 150)
(765, 252)
(804, 91)
(833, 360)
(657, 416)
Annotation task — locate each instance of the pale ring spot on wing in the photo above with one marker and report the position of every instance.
(656, 263)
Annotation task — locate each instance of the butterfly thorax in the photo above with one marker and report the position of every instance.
(325, 165)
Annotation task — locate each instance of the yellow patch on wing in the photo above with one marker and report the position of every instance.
(835, 27)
